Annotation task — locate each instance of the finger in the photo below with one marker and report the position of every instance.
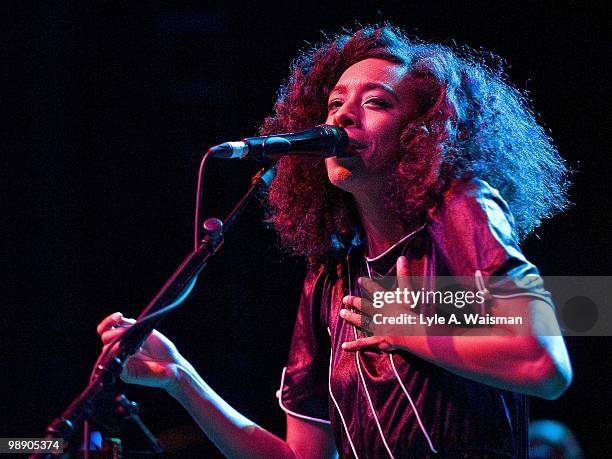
(357, 302)
(382, 343)
(403, 273)
(362, 321)
(121, 325)
(369, 286)
(112, 334)
(108, 322)
(352, 317)
(361, 343)
(353, 301)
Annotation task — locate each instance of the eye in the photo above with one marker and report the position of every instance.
(377, 101)
(334, 104)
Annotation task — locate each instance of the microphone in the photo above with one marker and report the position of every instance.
(323, 141)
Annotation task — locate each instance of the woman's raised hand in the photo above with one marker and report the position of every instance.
(156, 364)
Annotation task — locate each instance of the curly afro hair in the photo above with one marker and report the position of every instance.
(472, 123)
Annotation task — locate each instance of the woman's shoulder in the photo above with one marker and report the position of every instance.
(466, 192)
(472, 202)
(473, 228)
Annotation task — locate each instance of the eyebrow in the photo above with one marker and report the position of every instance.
(368, 86)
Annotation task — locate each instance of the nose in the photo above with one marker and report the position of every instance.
(345, 116)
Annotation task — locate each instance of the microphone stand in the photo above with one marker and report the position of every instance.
(89, 404)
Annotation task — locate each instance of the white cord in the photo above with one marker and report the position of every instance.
(372, 406)
(357, 359)
(348, 435)
(196, 229)
(416, 413)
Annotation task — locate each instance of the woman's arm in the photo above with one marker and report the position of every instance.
(530, 359)
(159, 364)
(473, 230)
(237, 437)
(533, 365)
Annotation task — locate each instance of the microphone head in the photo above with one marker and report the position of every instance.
(322, 141)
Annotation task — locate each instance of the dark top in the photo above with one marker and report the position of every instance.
(396, 404)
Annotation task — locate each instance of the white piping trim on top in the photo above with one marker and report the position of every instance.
(331, 353)
(480, 285)
(396, 244)
(357, 359)
(416, 413)
(372, 406)
(293, 413)
(359, 366)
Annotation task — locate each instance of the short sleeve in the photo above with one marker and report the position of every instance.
(474, 232)
(304, 383)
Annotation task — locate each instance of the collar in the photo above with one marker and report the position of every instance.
(384, 264)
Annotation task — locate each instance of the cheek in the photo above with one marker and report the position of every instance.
(386, 149)
(393, 130)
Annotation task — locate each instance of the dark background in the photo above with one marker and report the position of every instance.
(111, 105)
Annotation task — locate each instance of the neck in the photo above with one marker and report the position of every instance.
(382, 229)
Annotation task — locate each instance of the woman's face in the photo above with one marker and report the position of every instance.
(373, 100)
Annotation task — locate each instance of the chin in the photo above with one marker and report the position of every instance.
(340, 177)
